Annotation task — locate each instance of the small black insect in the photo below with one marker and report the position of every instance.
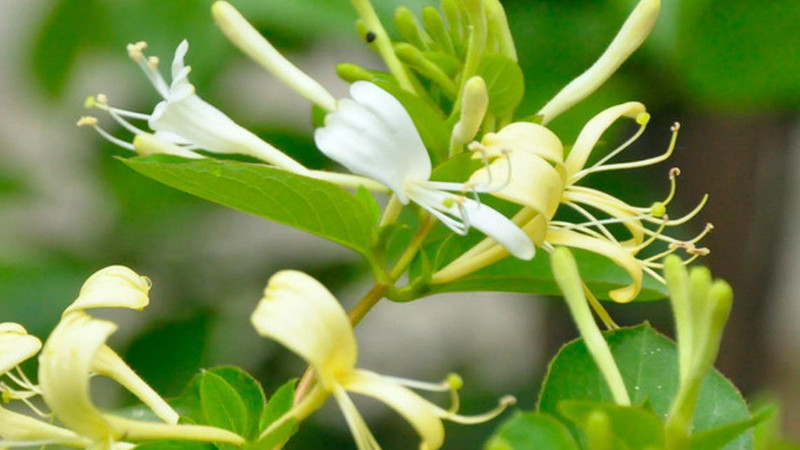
(370, 37)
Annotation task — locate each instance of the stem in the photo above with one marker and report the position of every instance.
(383, 43)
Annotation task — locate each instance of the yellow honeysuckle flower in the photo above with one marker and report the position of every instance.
(305, 317)
(543, 180)
(76, 350)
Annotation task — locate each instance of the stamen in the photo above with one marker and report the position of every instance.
(673, 184)
(152, 61)
(593, 220)
(653, 237)
(92, 122)
(690, 215)
(504, 403)
(642, 119)
(634, 164)
(135, 51)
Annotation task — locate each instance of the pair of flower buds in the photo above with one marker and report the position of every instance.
(296, 310)
(373, 136)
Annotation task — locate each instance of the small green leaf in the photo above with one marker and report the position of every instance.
(222, 406)
(280, 403)
(531, 430)
(311, 205)
(719, 437)
(627, 427)
(504, 82)
(249, 391)
(648, 362)
(276, 437)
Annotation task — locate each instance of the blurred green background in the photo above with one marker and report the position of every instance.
(729, 71)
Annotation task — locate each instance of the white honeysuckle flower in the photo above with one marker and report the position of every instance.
(633, 32)
(184, 120)
(301, 314)
(372, 135)
(113, 287)
(544, 180)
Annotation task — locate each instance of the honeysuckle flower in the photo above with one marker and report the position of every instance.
(76, 350)
(373, 135)
(543, 180)
(182, 120)
(304, 316)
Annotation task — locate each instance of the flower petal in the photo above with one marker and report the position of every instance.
(420, 413)
(478, 215)
(358, 427)
(64, 371)
(17, 430)
(179, 71)
(612, 251)
(16, 345)
(525, 137)
(112, 287)
(305, 317)
(594, 129)
(533, 182)
(373, 135)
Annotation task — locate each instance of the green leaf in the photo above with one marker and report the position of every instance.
(251, 393)
(222, 406)
(175, 445)
(311, 205)
(531, 430)
(536, 277)
(629, 428)
(648, 362)
(280, 403)
(504, 82)
(718, 437)
(276, 437)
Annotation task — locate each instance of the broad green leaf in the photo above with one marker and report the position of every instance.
(536, 277)
(504, 82)
(249, 391)
(279, 403)
(648, 362)
(629, 428)
(311, 205)
(531, 430)
(222, 405)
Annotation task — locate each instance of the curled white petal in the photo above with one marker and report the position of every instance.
(16, 345)
(113, 287)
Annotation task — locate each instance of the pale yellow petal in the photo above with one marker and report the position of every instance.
(594, 129)
(532, 181)
(16, 345)
(525, 137)
(419, 412)
(18, 430)
(113, 287)
(611, 251)
(64, 371)
(305, 317)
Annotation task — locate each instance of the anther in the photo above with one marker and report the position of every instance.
(102, 99)
(135, 51)
(152, 61)
(87, 120)
(674, 172)
(675, 127)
